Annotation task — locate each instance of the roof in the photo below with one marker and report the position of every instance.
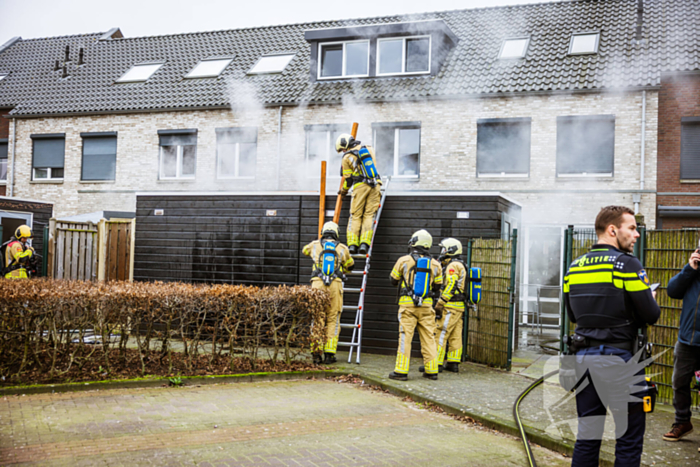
(472, 68)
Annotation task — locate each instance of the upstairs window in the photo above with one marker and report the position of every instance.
(99, 156)
(271, 64)
(690, 148)
(320, 146)
(178, 154)
(236, 152)
(584, 43)
(343, 59)
(3, 159)
(48, 155)
(514, 48)
(209, 68)
(585, 145)
(397, 146)
(503, 147)
(403, 55)
(140, 72)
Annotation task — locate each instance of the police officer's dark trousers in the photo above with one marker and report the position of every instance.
(616, 394)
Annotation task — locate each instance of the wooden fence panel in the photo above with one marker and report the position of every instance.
(73, 258)
(119, 250)
(488, 327)
(666, 253)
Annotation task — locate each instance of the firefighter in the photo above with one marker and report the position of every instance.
(607, 295)
(417, 275)
(451, 304)
(360, 172)
(331, 260)
(18, 253)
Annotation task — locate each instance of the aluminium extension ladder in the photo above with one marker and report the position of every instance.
(356, 341)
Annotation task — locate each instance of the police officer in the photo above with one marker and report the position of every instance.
(18, 253)
(450, 307)
(329, 279)
(366, 193)
(416, 309)
(607, 295)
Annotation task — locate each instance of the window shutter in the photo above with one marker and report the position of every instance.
(690, 151)
(3, 150)
(49, 152)
(177, 137)
(237, 135)
(503, 146)
(99, 158)
(585, 144)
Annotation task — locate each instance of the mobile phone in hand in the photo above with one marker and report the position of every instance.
(654, 286)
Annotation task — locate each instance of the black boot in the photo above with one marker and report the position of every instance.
(452, 366)
(422, 369)
(364, 248)
(318, 359)
(432, 376)
(353, 249)
(398, 376)
(330, 358)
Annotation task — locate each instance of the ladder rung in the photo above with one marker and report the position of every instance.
(350, 307)
(359, 255)
(348, 344)
(342, 325)
(352, 289)
(357, 273)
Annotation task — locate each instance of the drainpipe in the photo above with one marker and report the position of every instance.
(279, 147)
(643, 146)
(14, 148)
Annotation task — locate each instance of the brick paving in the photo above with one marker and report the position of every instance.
(291, 423)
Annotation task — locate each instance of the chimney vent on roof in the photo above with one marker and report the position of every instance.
(67, 54)
(65, 71)
(56, 67)
(80, 57)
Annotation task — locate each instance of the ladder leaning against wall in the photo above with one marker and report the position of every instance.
(355, 342)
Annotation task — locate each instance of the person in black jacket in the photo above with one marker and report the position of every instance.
(686, 355)
(607, 295)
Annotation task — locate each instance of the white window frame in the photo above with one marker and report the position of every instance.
(178, 168)
(525, 49)
(587, 33)
(403, 55)
(237, 166)
(395, 165)
(228, 61)
(49, 169)
(320, 58)
(122, 80)
(290, 55)
(327, 157)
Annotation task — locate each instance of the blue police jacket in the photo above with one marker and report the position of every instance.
(686, 285)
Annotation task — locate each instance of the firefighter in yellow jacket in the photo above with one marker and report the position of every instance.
(359, 167)
(331, 259)
(417, 275)
(451, 304)
(18, 253)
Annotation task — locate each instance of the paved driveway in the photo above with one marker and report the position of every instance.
(290, 423)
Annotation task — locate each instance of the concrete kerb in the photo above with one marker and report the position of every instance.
(498, 424)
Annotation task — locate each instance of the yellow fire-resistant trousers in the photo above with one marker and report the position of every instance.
(332, 321)
(449, 334)
(424, 318)
(364, 205)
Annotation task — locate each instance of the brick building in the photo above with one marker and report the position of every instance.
(555, 105)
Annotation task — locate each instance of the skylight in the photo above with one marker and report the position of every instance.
(209, 68)
(2, 76)
(271, 64)
(139, 72)
(514, 48)
(586, 43)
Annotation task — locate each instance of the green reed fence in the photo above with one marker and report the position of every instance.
(489, 329)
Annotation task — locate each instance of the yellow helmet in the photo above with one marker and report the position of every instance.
(344, 142)
(421, 238)
(451, 247)
(23, 231)
(330, 229)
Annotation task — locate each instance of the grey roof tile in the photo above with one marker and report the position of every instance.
(671, 43)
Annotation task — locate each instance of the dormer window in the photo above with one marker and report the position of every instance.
(584, 43)
(514, 48)
(343, 59)
(271, 64)
(404, 55)
(140, 72)
(209, 68)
